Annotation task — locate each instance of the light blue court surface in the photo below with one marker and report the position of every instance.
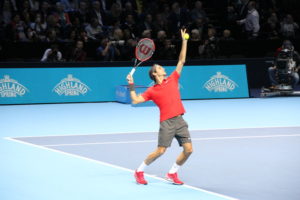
(33, 171)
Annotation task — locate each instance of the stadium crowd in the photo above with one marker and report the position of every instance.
(115, 26)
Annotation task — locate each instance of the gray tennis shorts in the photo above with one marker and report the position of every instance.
(174, 127)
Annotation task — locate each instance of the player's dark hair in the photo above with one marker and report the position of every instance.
(151, 71)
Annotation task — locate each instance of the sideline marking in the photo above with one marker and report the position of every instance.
(151, 132)
(193, 139)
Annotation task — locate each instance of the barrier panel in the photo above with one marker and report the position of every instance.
(98, 84)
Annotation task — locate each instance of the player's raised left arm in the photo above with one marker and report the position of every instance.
(182, 54)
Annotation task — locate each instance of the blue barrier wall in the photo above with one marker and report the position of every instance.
(96, 84)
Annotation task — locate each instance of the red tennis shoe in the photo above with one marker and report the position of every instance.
(174, 179)
(139, 177)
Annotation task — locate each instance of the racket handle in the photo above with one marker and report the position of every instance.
(132, 72)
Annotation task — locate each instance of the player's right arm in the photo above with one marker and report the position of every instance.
(134, 97)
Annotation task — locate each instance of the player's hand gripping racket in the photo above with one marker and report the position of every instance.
(143, 51)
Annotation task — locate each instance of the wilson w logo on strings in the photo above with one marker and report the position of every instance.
(144, 49)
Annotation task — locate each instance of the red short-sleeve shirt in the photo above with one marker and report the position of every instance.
(166, 96)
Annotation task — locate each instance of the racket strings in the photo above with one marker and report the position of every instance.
(144, 51)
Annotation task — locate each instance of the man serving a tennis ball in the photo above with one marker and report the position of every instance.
(165, 94)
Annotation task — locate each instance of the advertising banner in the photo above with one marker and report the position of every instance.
(99, 84)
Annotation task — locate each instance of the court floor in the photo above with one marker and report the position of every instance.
(243, 149)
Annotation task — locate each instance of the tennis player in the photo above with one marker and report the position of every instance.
(165, 94)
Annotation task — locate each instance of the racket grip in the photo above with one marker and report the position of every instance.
(132, 72)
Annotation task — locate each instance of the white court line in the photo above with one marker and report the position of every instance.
(156, 131)
(193, 139)
(118, 167)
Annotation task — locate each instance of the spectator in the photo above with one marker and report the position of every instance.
(76, 24)
(128, 50)
(82, 13)
(226, 49)
(45, 10)
(63, 17)
(7, 12)
(2, 31)
(97, 12)
(273, 19)
(147, 34)
(52, 36)
(78, 53)
(129, 10)
(168, 52)
(25, 7)
(200, 25)
(2, 56)
(166, 12)
(272, 32)
(31, 35)
(39, 27)
(52, 54)
(83, 36)
(114, 14)
(270, 29)
(105, 4)
(26, 18)
(14, 5)
(251, 22)
(70, 5)
(129, 27)
(150, 7)
(161, 36)
(107, 51)
(94, 30)
(195, 42)
(72, 37)
(195, 35)
(160, 23)
(177, 18)
(16, 29)
(53, 24)
(118, 34)
(146, 24)
(243, 9)
(210, 48)
(232, 17)
(34, 5)
(226, 35)
(288, 27)
(198, 11)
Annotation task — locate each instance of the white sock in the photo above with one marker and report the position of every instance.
(174, 168)
(142, 167)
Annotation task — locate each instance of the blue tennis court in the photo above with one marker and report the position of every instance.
(244, 149)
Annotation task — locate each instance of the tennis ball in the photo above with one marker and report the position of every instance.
(186, 36)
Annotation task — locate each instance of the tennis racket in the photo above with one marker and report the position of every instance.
(143, 51)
